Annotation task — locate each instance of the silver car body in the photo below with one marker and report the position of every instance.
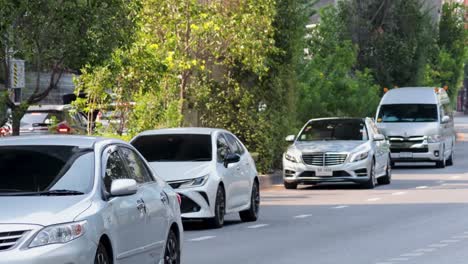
(132, 236)
(330, 161)
(199, 201)
(411, 141)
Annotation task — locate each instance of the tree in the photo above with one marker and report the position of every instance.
(60, 36)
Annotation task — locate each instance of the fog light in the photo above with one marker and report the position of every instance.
(436, 153)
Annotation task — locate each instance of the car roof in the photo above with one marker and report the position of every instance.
(48, 107)
(183, 130)
(412, 95)
(55, 140)
(339, 118)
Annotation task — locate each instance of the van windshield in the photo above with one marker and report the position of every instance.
(394, 113)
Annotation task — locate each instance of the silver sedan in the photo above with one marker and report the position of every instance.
(67, 199)
(337, 150)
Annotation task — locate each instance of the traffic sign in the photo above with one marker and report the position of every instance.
(17, 74)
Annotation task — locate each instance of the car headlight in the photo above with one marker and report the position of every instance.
(434, 139)
(359, 156)
(199, 181)
(59, 234)
(289, 156)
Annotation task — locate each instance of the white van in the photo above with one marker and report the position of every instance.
(419, 124)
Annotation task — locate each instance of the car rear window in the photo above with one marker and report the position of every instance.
(177, 147)
(44, 168)
(41, 118)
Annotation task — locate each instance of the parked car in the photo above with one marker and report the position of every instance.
(53, 119)
(337, 150)
(419, 124)
(210, 168)
(84, 200)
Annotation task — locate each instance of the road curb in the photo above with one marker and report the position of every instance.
(267, 181)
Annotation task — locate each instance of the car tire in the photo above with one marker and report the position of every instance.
(442, 163)
(220, 209)
(450, 160)
(387, 179)
(372, 182)
(172, 251)
(251, 214)
(102, 256)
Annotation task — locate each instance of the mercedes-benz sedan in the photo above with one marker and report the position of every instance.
(337, 150)
(82, 200)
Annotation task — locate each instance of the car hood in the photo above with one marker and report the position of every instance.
(41, 210)
(175, 171)
(329, 146)
(409, 129)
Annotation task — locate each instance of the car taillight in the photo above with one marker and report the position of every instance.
(63, 128)
(179, 198)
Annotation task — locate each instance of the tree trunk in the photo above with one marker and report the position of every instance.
(17, 113)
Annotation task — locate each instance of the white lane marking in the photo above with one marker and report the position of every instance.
(460, 237)
(450, 241)
(202, 238)
(303, 216)
(374, 199)
(455, 177)
(425, 250)
(438, 245)
(421, 187)
(398, 193)
(257, 226)
(340, 207)
(412, 254)
(399, 259)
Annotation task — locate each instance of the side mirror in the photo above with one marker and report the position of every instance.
(231, 158)
(290, 138)
(445, 119)
(123, 187)
(379, 137)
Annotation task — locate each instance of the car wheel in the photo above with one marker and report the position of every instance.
(372, 182)
(220, 209)
(251, 214)
(102, 257)
(172, 251)
(387, 179)
(290, 185)
(450, 160)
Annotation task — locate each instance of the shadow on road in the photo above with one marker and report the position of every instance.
(200, 225)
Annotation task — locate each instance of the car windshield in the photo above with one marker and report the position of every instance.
(334, 129)
(176, 147)
(394, 113)
(41, 118)
(37, 169)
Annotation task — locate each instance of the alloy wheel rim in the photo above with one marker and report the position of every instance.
(172, 253)
(220, 207)
(101, 258)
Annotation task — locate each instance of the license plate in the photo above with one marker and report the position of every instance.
(406, 155)
(324, 172)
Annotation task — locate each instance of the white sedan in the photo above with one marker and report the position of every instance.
(210, 168)
(337, 150)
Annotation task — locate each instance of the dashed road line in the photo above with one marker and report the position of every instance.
(198, 239)
(340, 207)
(460, 237)
(450, 241)
(302, 216)
(374, 199)
(257, 226)
(415, 254)
(455, 177)
(440, 245)
(399, 259)
(425, 250)
(422, 187)
(398, 193)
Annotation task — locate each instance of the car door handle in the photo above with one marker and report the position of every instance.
(141, 206)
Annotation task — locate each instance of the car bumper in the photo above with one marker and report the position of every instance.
(429, 152)
(197, 202)
(79, 251)
(357, 172)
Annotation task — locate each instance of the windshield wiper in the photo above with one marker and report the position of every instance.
(59, 192)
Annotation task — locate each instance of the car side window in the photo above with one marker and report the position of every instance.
(222, 148)
(82, 119)
(232, 141)
(114, 169)
(137, 167)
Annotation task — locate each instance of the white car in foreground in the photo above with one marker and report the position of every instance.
(210, 168)
(337, 150)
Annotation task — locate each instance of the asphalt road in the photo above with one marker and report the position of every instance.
(422, 217)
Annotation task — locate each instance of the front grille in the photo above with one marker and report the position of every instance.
(410, 150)
(9, 239)
(412, 140)
(324, 159)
